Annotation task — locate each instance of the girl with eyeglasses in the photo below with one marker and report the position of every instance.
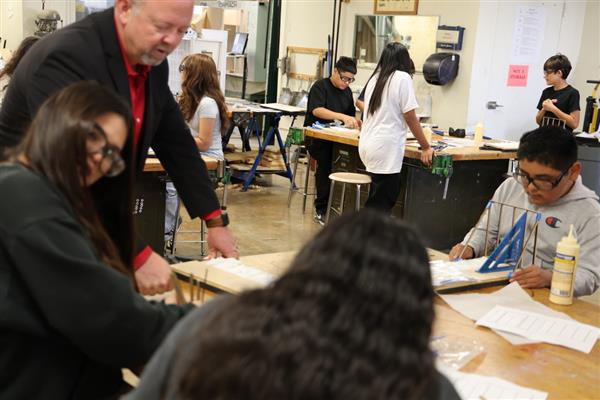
(559, 102)
(70, 316)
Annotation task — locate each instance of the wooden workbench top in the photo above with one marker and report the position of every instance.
(458, 153)
(153, 164)
(563, 373)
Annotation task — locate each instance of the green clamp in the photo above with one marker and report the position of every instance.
(442, 165)
(295, 136)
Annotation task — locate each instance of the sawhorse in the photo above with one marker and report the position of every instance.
(248, 176)
(237, 120)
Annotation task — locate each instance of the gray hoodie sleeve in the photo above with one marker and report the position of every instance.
(154, 380)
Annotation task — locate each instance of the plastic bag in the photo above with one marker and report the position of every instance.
(455, 352)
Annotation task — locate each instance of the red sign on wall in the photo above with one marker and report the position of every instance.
(517, 75)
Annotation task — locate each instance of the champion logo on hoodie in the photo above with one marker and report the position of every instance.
(553, 222)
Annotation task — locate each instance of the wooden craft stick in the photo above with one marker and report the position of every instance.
(525, 246)
(204, 286)
(179, 297)
(192, 287)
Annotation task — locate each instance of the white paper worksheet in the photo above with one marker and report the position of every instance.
(476, 305)
(476, 387)
(238, 268)
(568, 333)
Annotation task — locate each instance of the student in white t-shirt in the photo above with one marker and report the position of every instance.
(389, 113)
(203, 104)
(203, 107)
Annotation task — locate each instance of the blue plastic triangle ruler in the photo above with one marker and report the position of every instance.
(507, 253)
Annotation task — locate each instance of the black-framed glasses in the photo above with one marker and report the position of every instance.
(181, 67)
(109, 153)
(346, 79)
(543, 184)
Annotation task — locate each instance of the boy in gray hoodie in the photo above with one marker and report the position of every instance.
(548, 182)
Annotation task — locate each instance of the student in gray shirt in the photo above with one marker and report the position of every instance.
(546, 182)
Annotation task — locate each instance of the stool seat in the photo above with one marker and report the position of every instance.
(345, 178)
(349, 177)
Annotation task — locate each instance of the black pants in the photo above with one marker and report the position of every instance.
(384, 192)
(321, 150)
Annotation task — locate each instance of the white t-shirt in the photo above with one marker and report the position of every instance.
(383, 134)
(208, 109)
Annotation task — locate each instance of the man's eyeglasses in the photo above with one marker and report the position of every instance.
(543, 184)
(111, 154)
(346, 79)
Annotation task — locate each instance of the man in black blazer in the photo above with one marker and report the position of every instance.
(125, 48)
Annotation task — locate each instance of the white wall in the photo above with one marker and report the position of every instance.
(588, 65)
(11, 23)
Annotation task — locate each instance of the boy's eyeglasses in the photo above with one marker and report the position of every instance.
(543, 184)
(346, 79)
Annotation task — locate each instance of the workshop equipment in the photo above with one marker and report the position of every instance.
(442, 166)
(590, 119)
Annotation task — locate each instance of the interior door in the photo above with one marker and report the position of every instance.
(512, 36)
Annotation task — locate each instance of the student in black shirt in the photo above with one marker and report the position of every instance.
(559, 103)
(329, 99)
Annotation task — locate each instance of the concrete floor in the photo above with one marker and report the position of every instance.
(260, 218)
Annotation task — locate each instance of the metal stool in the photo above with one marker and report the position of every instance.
(345, 177)
(293, 188)
(295, 137)
(222, 175)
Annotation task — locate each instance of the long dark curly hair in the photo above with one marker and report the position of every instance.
(351, 319)
(200, 79)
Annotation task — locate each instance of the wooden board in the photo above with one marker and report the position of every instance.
(481, 280)
(274, 263)
(285, 108)
(277, 263)
(458, 153)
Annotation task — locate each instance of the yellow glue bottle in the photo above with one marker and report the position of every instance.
(478, 137)
(565, 266)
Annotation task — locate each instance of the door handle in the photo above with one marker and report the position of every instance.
(492, 105)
